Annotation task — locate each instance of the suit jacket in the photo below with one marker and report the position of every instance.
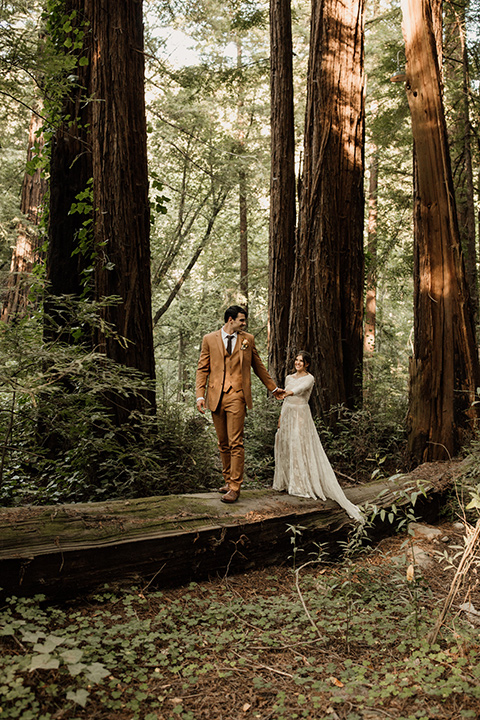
(211, 367)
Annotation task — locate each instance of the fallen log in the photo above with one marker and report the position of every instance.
(66, 549)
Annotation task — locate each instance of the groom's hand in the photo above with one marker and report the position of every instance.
(201, 405)
(279, 393)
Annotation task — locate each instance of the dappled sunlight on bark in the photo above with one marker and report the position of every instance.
(327, 301)
(445, 370)
(26, 250)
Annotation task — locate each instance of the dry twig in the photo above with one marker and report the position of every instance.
(464, 566)
(312, 621)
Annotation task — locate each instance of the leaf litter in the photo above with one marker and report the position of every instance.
(244, 646)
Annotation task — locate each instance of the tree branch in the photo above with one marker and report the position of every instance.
(175, 290)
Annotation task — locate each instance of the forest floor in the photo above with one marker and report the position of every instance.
(333, 641)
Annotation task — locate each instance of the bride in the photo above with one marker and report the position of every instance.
(301, 465)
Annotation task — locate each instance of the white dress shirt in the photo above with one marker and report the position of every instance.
(225, 339)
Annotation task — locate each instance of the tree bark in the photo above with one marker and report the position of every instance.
(66, 549)
(460, 136)
(182, 376)
(326, 316)
(444, 372)
(282, 186)
(371, 294)
(242, 184)
(243, 213)
(26, 251)
(369, 330)
(70, 171)
(122, 214)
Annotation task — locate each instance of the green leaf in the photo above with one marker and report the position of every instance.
(96, 672)
(72, 656)
(76, 668)
(7, 630)
(44, 662)
(78, 696)
(473, 504)
(51, 642)
(31, 637)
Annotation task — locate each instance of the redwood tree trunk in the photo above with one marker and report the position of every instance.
(243, 208)
(282, 186)
(70, 171)
(460, 136)
(326, 316)
(445, 368)
(122, 214)
(371, 294)
(242, 184)
(26, 250)
(369, 331)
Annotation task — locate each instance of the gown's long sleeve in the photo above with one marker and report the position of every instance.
(301, 465)
(303, 386)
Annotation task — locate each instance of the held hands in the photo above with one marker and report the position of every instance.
(281, 394)
(278, 393)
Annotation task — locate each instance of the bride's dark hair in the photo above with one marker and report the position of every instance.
(306, 357)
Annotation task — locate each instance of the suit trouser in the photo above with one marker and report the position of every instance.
(229, 421)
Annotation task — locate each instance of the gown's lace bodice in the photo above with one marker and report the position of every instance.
(301, 387)
(301, 465)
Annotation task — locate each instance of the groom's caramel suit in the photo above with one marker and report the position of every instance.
(229, 394)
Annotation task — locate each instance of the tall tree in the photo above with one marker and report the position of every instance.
(371, 285)
(242, 180)
(120, 190)
(444, 372)
(70, 167)
(26, 250)
(326, 315)
(282, 185)
(372, 228)
(457, 82)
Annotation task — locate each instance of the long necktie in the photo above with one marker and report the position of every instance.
(229, 343)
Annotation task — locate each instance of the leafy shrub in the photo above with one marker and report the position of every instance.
(365, 443)
(59, 441)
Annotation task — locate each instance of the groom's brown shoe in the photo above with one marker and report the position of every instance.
(231, 496)
(223, 489)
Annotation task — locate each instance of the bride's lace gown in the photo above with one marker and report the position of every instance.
(301, 465)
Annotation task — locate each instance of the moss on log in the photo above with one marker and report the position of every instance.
(67, 549)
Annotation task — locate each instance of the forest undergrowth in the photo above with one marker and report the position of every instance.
(59, 442)
(333, 641)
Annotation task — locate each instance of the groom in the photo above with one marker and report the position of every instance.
(226, 358)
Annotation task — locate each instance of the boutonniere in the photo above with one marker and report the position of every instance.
(244, 345)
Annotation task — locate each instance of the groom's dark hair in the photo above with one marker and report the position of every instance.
(233, 311)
